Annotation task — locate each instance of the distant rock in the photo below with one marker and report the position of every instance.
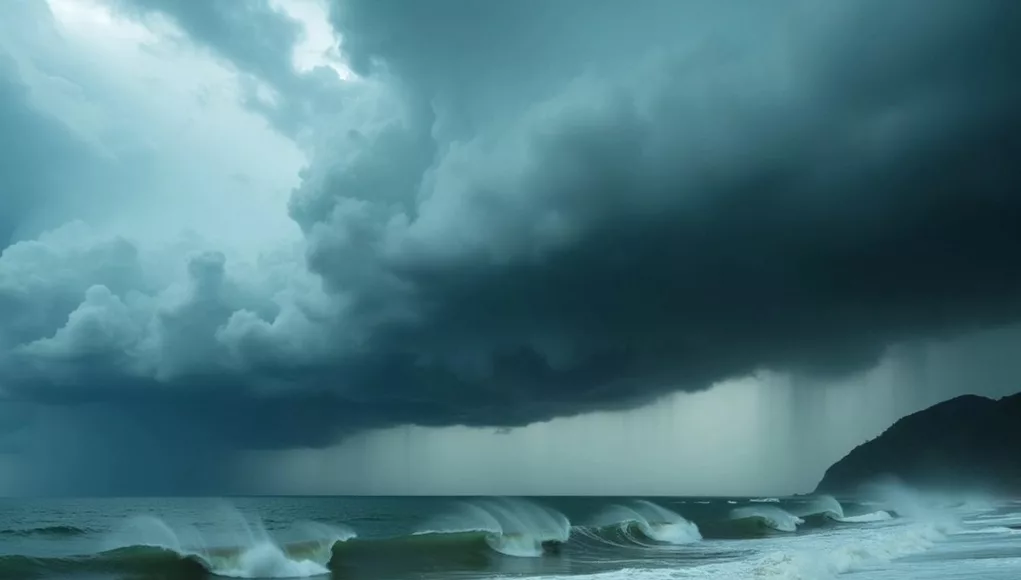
(969, 443)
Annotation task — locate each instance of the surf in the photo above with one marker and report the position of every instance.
(766, 517)
(509, 536)
(245, 550)
(511, 527)
(825, 509)
(642, 522)
(840, 555)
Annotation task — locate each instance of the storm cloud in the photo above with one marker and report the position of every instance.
(38, 158)
(521, 211)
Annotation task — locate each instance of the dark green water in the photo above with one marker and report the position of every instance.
(401, 538)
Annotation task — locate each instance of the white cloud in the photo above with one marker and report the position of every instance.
(319, 45)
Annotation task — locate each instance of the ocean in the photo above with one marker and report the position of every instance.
(361, 538)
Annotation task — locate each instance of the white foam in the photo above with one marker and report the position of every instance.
(772, 516)
(246, 550)
(655, 522)
(995, 530)
(826, 559)
(266, 560)
(515, 527)
(992, 520)
(440, 532)
(843, 553)
(812, 557)
(873, 517)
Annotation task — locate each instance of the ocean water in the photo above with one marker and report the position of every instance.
(563, 537)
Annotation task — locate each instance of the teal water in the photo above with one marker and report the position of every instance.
(403, 538)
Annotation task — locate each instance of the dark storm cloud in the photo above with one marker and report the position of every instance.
(558, 207)
(39, 158)
(795, 204)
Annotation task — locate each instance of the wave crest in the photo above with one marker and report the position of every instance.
(249, 552)
(828, 508)
(768, 516)
(824, 506)
(872, 517)
(643, 521)
(512, 527)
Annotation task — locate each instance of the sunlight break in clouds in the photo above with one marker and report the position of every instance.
(319, 45)
(217, 169)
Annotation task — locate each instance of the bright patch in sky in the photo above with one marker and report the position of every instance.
(215, 168)
(319, 45)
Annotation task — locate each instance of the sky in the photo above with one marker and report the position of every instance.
(385, 246)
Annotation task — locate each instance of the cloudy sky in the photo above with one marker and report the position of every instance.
(584, 246)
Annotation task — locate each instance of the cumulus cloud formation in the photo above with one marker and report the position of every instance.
(564, 219)
(519, 211)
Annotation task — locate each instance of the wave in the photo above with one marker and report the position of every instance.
(992, 531)
(1008, 520)
(511, 527)
(306, 559)
(768, 517)
(512, 535)
(642, 522)
(135, 560)
(825, 560)
(843, 555)
(56, 531)
(258, 561)
(825, 509)
(247, 551)
(872, 517)
(823, 506)
(448, 551)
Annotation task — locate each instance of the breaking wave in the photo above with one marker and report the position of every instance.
(844, 555)
(247, 551)
(260, 561)
(767, 517)
(825, 509)
(828, 559)
(474, 535)
(823, 506)
(642, 522)
(869, 518)
(511, 527)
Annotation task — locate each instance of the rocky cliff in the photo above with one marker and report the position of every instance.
(967, 443)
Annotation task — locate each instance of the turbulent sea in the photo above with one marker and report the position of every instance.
(809, 538)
